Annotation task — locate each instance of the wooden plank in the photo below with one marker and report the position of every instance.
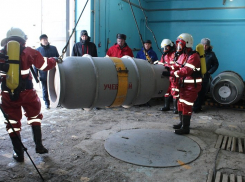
(232, 178)
(228, 147)
(210, 175)
(218, 177)
(225, 178)
(239, 178)
(233, 147)
(240, 149)
(219, 141)
(224, 143)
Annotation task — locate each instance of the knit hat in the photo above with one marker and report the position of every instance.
(147, 41)
(84, 32)
(205, 41)
(121, 36)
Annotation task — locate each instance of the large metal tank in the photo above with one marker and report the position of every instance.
(85, 82)
(227, 87)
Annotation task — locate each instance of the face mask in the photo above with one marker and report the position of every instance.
(166, 49)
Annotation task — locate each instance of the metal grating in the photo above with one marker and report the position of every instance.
(230, 143)
(222, 177)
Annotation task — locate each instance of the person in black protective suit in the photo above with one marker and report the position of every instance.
(47, 51)
(84, 46)
(212, 65)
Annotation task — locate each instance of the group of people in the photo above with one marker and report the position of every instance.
(182, 64)
(187, 85)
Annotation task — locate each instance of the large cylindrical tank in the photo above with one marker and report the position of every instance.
(85, 82)
(227, 87)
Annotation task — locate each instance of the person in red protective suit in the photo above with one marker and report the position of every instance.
(120, 48)
(168, 61)
(189, 73)
(24, 95)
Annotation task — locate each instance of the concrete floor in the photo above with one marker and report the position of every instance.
(75, 139)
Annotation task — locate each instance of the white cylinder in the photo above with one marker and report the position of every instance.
(85, 82)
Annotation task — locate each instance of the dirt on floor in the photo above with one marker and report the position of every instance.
(75, 139)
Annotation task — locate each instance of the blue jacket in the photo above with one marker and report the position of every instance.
(151, 53)
(46, 51)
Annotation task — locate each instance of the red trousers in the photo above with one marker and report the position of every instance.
(30, 103)
(188, 95)
(173, 88)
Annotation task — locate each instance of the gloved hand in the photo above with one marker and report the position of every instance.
(156, 62)
(165, 73)
(167, 68)
(58, 60)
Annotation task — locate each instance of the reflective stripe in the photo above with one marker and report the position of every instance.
(175, 89)
(34, 120)
(171, 62)
(11, 121)
(176, 75)
(107, 55)
(186, 102)
(45, 64)
(25, 72)
(35, 116)
(167, 94)
(3, 74)
(193, 81)
(172, 67)
(15, 129)
(5, 91)
(177, 95)
(190, 66)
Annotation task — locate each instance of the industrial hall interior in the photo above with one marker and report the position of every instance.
(122, 91)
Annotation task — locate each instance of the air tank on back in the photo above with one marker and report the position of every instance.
(86, 82)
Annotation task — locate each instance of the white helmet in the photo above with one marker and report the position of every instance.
(15, 34)
(166, 42)
(187, 38)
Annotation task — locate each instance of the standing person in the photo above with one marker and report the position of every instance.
(24, 96)
(189, 73)
(147, 50)
(47, 51)
(84, 46)
(212, 65)
(120, 48)
(168, 61)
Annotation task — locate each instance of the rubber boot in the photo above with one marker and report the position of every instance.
(178, 126)
(166, 104)
(37, 137)
(185, 129)
(175, 109)
(18, 154)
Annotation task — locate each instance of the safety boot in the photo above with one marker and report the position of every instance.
(37, 137)
(175, 109)
(18, 153)
(178, 126)
(185, 129)
(166, 104)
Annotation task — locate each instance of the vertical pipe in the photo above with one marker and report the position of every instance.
(71, 23)
(67, 25)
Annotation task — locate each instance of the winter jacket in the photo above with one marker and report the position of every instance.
(81, 48)
(212, 63)
(46, 51)
(150, 52)
(116, 51)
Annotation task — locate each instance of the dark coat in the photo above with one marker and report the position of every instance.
(79, 49)
(150, 52)
(46, 51)
(212, 63)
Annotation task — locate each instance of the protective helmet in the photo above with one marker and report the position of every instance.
(14, 34)
(167, 45)
(166, 42)
(187, 38)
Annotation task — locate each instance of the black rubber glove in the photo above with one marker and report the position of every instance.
(165, 73)
(4, 67)
(167, 68)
